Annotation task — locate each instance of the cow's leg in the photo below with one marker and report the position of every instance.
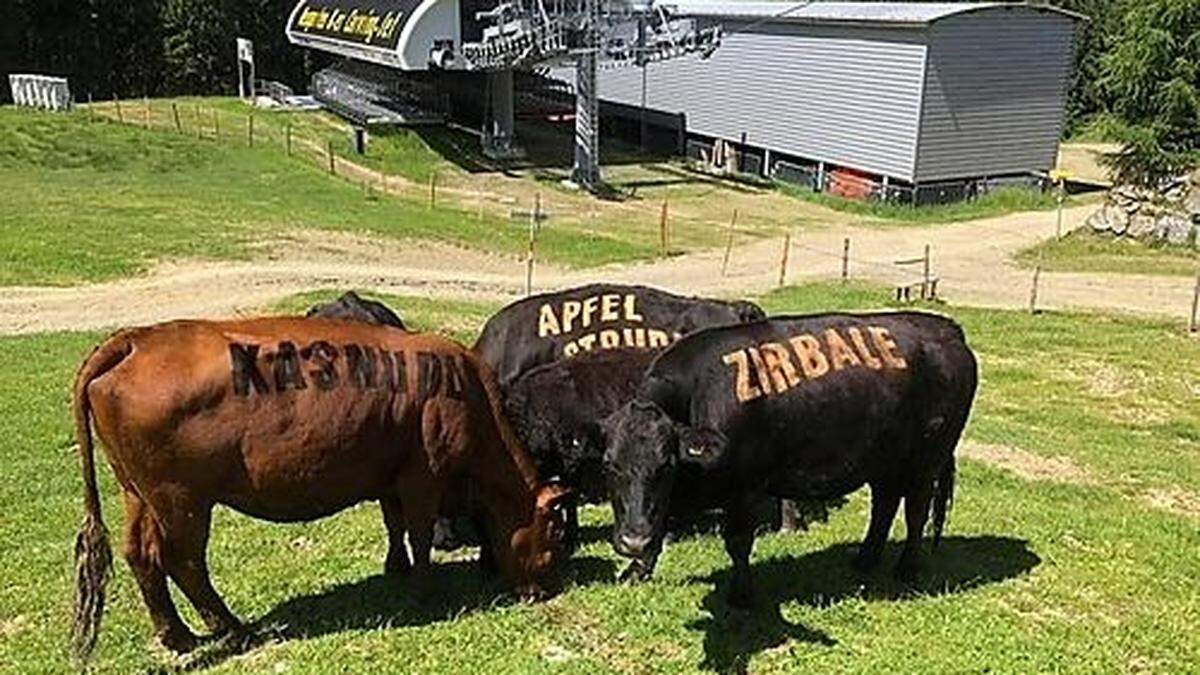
(143, 552)
(397, 556)
(884, 502)
(420, 514)
(916, 513)
(487, 557)
(739, 540)
(789, 516)
(186, 549)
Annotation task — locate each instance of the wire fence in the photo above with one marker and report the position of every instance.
(911, 275)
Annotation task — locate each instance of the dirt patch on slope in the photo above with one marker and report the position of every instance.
(298, 263)
(1028, 465)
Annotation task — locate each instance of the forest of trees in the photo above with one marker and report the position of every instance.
(1137, 71)
(148, 47)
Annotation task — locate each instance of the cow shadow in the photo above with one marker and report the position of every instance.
(455, 589)
(825, 578)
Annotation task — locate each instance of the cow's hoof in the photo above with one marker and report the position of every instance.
(179, 641)
(908, 570)
(636, 572)
(865, 561)
(396, 568)
(741, 598)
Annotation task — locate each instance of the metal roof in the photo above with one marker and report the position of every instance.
(903, 13)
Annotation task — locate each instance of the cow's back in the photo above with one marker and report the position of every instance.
(598, 317)
(284, 419)
(823, 393)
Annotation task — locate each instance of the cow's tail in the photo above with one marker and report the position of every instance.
(943, 498)
(93, 556)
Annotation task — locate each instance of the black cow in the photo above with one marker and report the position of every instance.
(806, 407)
(545, 328)
(351, 307)
(558, 410)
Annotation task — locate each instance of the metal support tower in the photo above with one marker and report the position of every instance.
(586, 172)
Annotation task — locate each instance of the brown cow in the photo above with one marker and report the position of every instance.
(291, 419)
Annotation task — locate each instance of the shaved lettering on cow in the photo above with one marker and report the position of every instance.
(285, 367)
(322, 356)
(812, 360)
(779, 365)
(887, 347)
(840, 353)
(869, 359)
(743, 388)
(361, 362)
(768, 368)
(246, 377)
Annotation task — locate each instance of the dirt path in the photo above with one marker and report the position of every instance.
(970, 259)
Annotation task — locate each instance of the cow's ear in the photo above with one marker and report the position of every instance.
(703, 446)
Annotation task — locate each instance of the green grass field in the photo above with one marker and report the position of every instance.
(1076, 572)
(92, 200)
(998, 203)
(1087, 251)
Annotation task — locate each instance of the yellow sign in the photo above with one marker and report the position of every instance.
(768, 369)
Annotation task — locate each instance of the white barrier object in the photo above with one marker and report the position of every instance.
(41, 91)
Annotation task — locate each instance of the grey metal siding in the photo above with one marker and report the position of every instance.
(995, 93)
(847, 95)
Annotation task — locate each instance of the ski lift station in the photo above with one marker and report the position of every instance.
(920, 101)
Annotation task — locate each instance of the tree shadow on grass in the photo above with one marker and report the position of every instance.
(455, 589)
(825, 578)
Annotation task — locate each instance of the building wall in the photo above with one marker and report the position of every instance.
(847, 95)
(995, 93)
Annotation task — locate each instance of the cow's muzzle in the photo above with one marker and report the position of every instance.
(632, 545)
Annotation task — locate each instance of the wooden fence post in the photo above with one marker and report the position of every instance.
(925, 276)
(787, 246)
(729, 243)
(1192, 321)
(1033, 291)
(120, 115)
(329, 152)
(845, 260)
(533, 218)
(175, 114)
(250, 130)
(664, 243)
(91, 110)
(433, 190)
(216, 124)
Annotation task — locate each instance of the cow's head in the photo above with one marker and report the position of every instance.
(541, 546)
(645, 450)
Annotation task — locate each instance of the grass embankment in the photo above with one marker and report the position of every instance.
(997, 203)
(1086, 251)
(91, 200)
(1076, 572)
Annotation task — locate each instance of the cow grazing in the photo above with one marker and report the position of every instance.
(807, 407)
(351, 307)
(557, 409)
(290, 419)
(548, 327)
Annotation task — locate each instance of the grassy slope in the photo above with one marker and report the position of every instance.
(95, 200)
(1087, 251)
(998, 203)
(1036, 576)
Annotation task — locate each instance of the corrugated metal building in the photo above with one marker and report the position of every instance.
(915, 93)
